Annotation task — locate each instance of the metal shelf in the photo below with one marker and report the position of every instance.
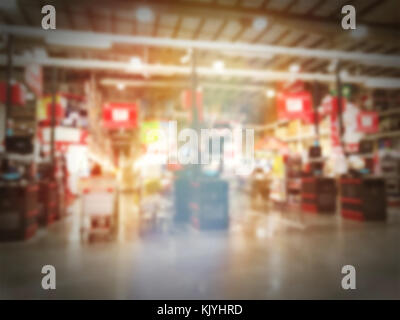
(390, 134)
(389, 112)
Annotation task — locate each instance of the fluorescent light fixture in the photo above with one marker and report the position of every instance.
(144, 14)
(219, 65)
(135, 62)
(360, 32)
(344, 73)
(270, 93)
(294, 68)
(185, 59)
(260, 23)
(382, 83)
(332, 66)
(40, 53)
(120, 86)
(83, 40)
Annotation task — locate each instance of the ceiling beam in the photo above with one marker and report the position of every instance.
(290, 6)
(177, 27)
(328, 26)
(199, 28)
(356, 57)
(217, 10)
(220, 29)
(206, 72)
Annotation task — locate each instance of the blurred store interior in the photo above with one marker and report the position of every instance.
(99, 180)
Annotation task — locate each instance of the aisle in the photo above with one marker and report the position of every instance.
(261, 256)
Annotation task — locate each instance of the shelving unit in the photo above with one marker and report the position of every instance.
(387, 103)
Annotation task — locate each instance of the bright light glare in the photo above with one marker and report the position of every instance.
(332, 66)
(294, 68)
(120, 86)
(361, 31)
(344, 73)
(144, 14)
(219, 65)
(135, 62)
(270, 93)
(185, 59)
(260, 23)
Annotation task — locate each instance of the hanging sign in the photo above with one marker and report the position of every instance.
(120, 115)
(368, 122)
(294, 105)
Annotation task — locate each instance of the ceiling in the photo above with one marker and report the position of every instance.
(314, 24)
(292, 23)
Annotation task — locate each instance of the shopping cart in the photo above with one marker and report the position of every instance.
(99, 214)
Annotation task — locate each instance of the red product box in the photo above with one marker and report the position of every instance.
(17, 94)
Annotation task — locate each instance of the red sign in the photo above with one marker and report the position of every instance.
(368, 122)
(120, 115)
(294, 105)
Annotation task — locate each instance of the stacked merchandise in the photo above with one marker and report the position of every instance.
(293, 179)
(61, 177)
(363, 198)
(390, 171)
(182, 200)
(318, 194)
(387, 102)
(203, 201)
(387, 140)
(49, 201)
(18, 211)
(366, 153)
(18, 194)
(21, 121)
(212, 204)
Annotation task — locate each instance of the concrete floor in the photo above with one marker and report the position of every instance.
(264, 255)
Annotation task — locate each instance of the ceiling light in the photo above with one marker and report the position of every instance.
(332, 65)
(218, 65)
(185, 59)
(344, 73)
(83, 40)
(40, 53)
(361, 31)
(120, 86)
(270, 93)
(260, 23)
(144, 14)
(294, 68)
(135, 62)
